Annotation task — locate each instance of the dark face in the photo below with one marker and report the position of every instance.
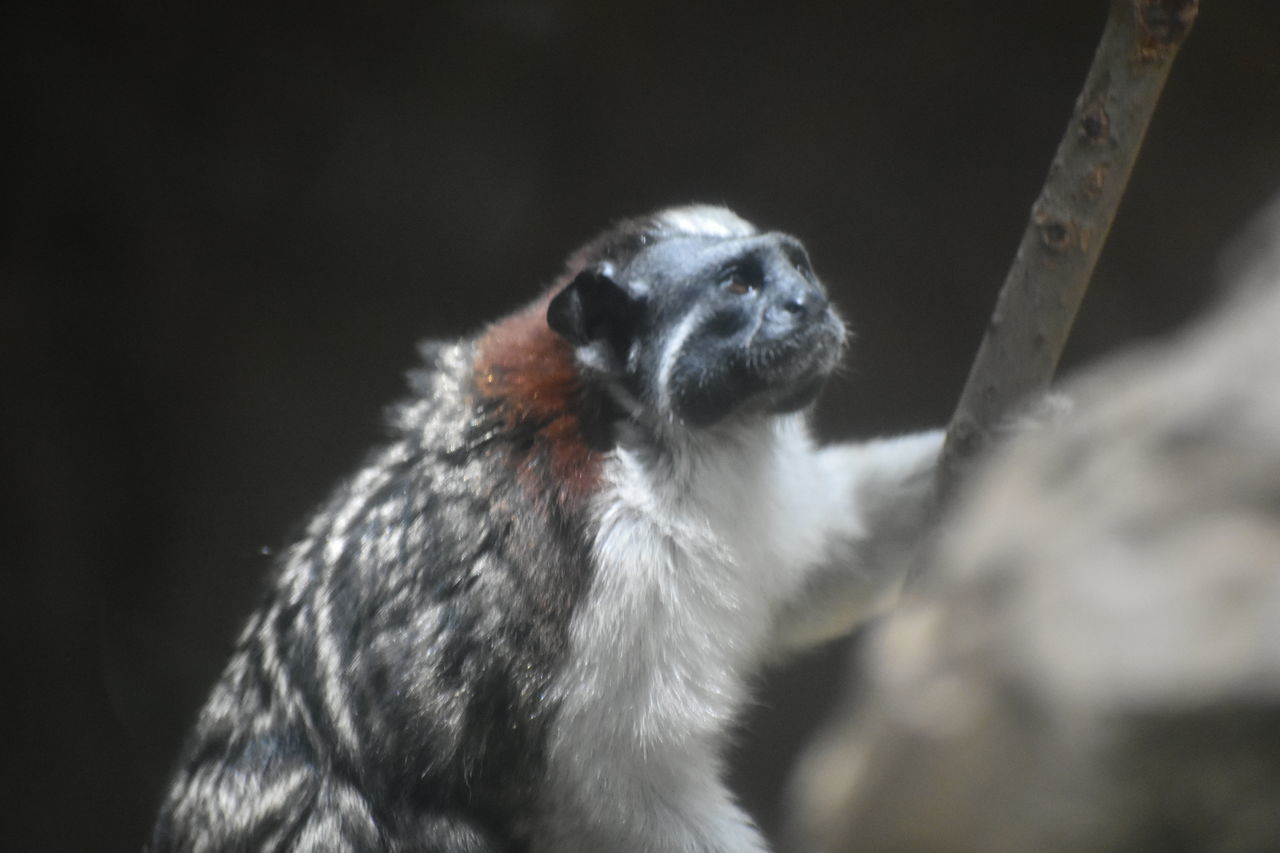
(702, 328)
(739, 325)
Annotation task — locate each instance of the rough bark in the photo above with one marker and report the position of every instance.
(1069, 222)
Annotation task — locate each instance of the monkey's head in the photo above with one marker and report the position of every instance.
(698, 317)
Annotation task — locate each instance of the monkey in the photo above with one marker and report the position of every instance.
(529, 622)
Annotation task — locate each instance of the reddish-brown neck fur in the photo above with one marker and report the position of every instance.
(530, 372)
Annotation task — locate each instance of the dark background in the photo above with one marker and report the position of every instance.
(227, 225)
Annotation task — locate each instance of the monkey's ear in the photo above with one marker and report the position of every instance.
(591, 308)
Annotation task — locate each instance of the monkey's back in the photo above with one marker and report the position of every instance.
(390, 691)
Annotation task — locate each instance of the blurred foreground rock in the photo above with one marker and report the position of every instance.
(1093, 661)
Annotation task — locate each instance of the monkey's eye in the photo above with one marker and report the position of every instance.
(741, 279)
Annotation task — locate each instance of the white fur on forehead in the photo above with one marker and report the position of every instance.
(704, 220)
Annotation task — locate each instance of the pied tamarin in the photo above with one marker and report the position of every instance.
(529, 622)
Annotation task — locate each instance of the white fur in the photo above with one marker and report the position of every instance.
(703, 220)
(699, 554)
(671, 352)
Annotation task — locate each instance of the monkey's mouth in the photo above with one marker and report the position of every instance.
(787, 373)
(765, 372)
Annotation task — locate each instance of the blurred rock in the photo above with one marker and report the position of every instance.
(1093, 662)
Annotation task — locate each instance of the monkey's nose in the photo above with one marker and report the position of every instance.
(804, 302)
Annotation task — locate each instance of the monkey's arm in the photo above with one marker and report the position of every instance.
(875, 512)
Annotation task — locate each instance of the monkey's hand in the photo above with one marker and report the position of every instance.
(870, 537)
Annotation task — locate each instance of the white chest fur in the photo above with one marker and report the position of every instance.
(694, 555)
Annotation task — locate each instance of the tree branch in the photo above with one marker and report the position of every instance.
(1069, 223)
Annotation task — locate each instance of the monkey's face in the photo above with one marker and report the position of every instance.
(702, 328)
